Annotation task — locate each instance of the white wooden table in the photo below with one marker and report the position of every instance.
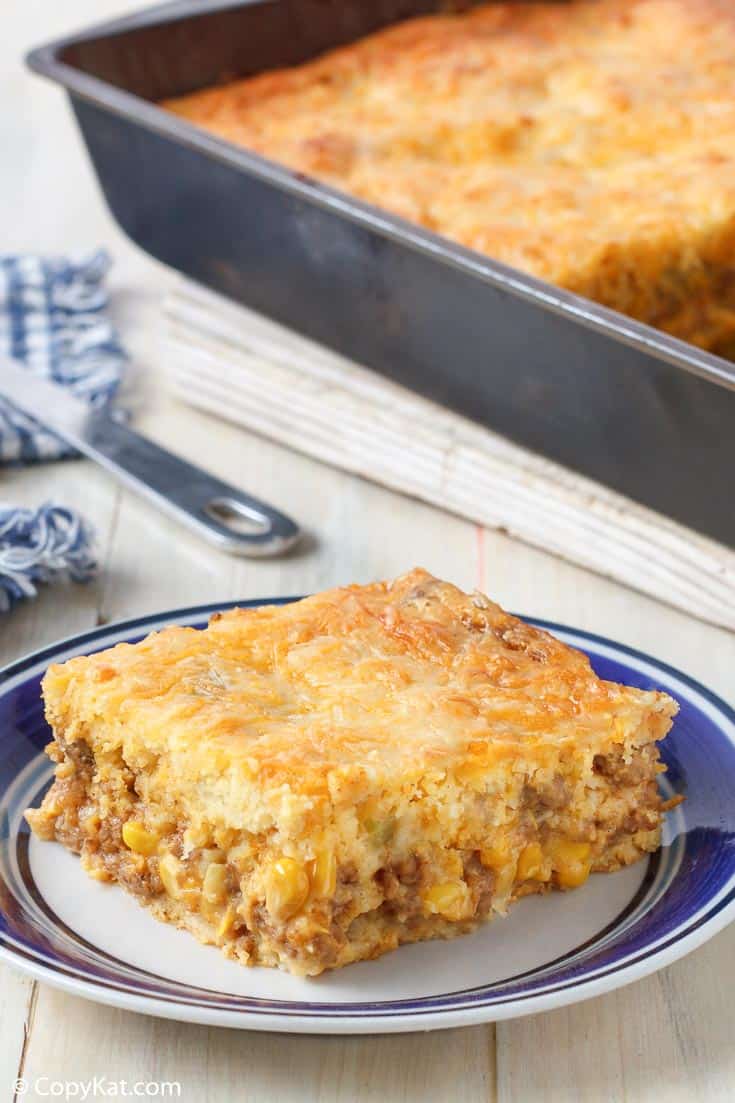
(670, 1037)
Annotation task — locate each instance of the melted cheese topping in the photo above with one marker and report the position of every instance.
(378, 683)
(590, 143)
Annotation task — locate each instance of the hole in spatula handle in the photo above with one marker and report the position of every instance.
(237, 517)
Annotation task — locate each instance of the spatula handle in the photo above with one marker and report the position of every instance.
(227, 517)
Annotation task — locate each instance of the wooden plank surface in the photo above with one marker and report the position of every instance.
(668, 1037)
(58, 611)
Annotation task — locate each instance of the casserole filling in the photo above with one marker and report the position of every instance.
(267, 900)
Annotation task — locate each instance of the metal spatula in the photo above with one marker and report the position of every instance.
(206, 505)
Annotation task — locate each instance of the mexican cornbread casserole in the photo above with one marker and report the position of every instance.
(590, 143)
(312, 784)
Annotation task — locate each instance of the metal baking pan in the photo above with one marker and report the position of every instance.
(644, 413)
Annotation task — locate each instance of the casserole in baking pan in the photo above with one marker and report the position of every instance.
(624, 402)
(589, 143)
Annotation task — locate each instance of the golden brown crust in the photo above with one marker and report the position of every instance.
(590, 143)
(315, 783)
(403, 676)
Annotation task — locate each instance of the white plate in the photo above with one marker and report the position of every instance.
(96, 941)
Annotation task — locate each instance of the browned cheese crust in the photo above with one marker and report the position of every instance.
(589, 143)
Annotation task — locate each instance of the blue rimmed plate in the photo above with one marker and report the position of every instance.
(93, 940)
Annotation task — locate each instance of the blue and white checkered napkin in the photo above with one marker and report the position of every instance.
(37, 545)
(53, 320)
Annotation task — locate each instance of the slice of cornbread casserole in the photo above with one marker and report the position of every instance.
(312, 784)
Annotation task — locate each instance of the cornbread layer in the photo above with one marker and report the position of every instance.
(313, 784)
(590, 143)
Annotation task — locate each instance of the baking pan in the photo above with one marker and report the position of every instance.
(644, 413)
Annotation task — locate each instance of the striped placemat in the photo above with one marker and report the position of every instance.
(232, 362)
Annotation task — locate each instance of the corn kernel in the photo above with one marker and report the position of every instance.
(450, 899)
(227, 921)
(569, 850)
(225, 837)
(572, 876)
(97, 873)
(138, 839)
(239, 856)
(504, 882)
(192, 898)
(90, 824)
(324, 873)
(287, 887)
(571, 861)
(195, 837)
(210, 856)
(169, 869)
(499, 857)
(496, 854)
(214, 887)
(531, 864)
